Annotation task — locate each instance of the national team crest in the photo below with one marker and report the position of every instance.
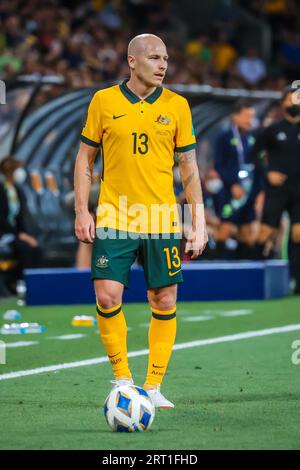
(102, 262)
(163, 120)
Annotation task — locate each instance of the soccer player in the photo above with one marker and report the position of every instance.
(139, 126)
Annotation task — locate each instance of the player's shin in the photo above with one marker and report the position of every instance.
(162, 333)
(113, 332)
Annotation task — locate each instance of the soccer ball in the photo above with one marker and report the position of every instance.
(129, 408)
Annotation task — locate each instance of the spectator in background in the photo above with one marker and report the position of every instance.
(235, 185)
(25, 247)
(289, 54)
(224, 54)
(251, 68)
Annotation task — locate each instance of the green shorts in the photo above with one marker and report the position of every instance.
(112, 258)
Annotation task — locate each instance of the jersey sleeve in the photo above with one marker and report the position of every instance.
(92, 131)
(185, 135)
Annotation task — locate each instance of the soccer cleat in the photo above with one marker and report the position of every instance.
(118, 383)
(159, 401)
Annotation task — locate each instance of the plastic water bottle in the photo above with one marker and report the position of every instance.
(12, 315)
(22, 328)
(21, 292)
(84, 320)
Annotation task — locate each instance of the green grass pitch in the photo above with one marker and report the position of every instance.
(238, 394)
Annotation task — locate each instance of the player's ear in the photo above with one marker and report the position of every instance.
(131, 61)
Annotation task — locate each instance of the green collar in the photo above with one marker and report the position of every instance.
(133, 98)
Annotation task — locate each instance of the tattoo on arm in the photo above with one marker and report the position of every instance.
(89, 167)
(188, 175)
(88, 172)
(187, 181)
(186, 157)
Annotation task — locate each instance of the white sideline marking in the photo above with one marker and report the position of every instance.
(211, 314)
(144, 325)
(144, 352)
(20, 344)
(67, 337)
(236, 313)
(183, 312)
(197, 318)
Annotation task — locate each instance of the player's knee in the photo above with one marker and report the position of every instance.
(165, 301)
(295, 233)
(107, 299)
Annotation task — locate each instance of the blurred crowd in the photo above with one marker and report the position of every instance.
(86, 41)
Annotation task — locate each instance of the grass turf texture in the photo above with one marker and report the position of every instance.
(235, 395)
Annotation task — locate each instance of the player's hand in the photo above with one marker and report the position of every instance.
(85, 227)
(196, 242)
(276, 178)
(237, 191)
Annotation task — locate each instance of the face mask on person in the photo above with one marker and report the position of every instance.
(293, 111)
(214, 185)
(19, 176)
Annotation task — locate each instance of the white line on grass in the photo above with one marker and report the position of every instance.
(197, 318)
(68, 337)
(20, 344)
(144, 352)
(236, 313)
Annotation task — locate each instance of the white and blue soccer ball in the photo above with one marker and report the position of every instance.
(129, 408)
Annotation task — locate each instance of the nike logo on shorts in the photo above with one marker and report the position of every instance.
(175, 272)
(117, 117)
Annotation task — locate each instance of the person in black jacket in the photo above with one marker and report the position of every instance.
(24, 246)
(277, 152)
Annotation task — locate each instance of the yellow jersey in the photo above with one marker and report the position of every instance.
(138, 138)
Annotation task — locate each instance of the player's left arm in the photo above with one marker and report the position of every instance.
(190, 178)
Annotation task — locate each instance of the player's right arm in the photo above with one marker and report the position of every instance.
(90, 140)
(84, 222)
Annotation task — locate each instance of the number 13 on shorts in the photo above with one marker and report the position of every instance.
(172, 257)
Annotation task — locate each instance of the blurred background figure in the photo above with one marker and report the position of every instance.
(277, 151)
(21, 246)
(236, 185)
